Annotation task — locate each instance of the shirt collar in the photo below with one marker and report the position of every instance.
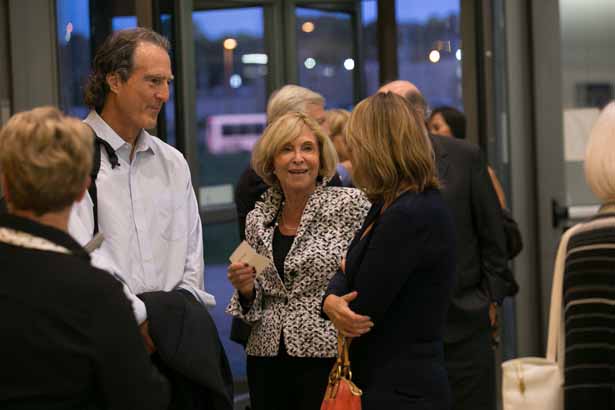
(145, 142)
(104, 131)
(50, 233)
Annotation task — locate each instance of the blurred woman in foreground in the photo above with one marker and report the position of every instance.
(69, 338)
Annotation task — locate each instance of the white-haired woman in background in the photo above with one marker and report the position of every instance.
(589, 283)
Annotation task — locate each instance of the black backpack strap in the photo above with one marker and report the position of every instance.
(113, 159)
(3, 207)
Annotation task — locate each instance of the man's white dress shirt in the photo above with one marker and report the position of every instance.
(149, 216)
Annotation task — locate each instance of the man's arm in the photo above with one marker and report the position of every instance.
(81, 227)
(497, 277)
(193, 278)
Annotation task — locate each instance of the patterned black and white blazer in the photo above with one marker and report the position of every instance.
(330, 219)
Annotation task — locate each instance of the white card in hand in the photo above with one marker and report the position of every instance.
(246, 254)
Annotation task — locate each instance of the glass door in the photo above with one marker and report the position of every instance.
(232, 68)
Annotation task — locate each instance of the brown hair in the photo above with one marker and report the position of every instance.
(285, 129)
(116, 55)
(46, 158)
(390, 150)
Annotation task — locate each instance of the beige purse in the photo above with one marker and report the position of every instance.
(536, 383)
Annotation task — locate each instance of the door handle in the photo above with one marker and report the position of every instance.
(559, 213)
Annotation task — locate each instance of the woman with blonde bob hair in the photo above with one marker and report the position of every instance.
(284, 132)
(589, 275)
(399, 269)
(69, 339)
(303, 227)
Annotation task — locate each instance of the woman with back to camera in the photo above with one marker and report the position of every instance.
(69, 338)
(303, 227)
(589, 283)
(399, 269)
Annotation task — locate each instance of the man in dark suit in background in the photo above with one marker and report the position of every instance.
(483, 277)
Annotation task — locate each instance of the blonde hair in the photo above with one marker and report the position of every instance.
(291, 98)
(337, 120)
(390, 148)
(46, 158)
(284, 130)
(600, 155)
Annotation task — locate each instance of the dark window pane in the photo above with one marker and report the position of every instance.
(429, 49)
(325, 54)
(371, 65)
(122, 22)
(168, 121)
(74, 51)
(76, 43)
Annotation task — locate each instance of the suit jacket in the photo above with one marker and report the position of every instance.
(69, 338)
(482, 269)
(330, 219)
(403, 271)
(189, 351)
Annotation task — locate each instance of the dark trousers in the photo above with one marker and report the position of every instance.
(471, 372)
(284, 382)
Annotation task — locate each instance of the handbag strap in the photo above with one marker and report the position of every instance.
(555, 350)
(343, 361)
(555, 341)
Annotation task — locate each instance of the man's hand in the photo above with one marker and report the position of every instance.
(242, 277)
(347, 322)
(147, 339)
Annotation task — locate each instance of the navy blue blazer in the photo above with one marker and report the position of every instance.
(403, 271)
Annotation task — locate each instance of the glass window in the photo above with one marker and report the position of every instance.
(123, 22)
(231, 71)
(588, 83)
(166, 122)
(429, 49)
(74, 54)
(78, 36)
(371, 65)
(325, 55)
